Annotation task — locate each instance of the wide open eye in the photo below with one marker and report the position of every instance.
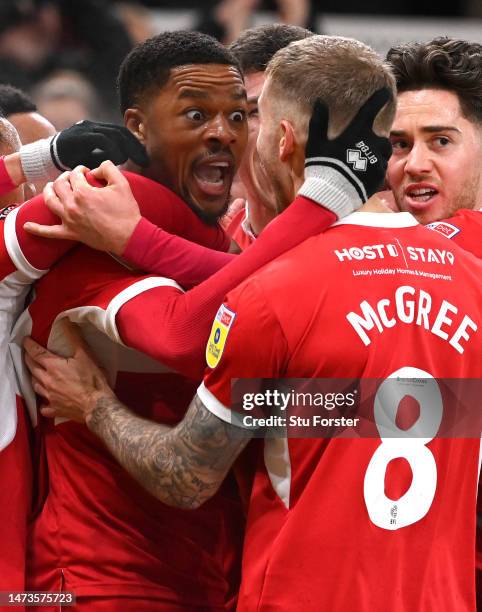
(238, 116)
(195, 114)
(443, 141)
(399, 145)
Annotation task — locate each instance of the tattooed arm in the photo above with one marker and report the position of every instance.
(181, 466)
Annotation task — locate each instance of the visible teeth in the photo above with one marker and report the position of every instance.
(422, 191)
(422, 195)
(220, 164)
(209, 173)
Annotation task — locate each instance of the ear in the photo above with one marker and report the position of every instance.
(134, 121)
(287, 142)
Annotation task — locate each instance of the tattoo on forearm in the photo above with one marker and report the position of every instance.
(181, 466)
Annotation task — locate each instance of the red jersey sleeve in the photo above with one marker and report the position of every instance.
(152, 249)
(470, 235)
(173, 327)
(464, 228)
(34, 255)
(163, 208)
(6, 183)
(28, 254)
(246, 341)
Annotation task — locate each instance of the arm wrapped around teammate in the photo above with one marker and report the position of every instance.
(86, 143)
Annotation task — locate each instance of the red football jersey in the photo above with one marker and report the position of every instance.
(98, 532)
(331, 525)
(15, 451)
(24, 259)
(464, 228)
(141, 546)
(55, 561)
(239, 229)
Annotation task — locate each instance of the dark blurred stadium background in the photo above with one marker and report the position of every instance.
(66, 53)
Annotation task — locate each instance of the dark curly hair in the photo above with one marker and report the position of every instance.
(14, 100)
(255, 47)
(146, 68)
(443, 63)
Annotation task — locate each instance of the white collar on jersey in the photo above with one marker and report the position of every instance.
(246, 224)
(375, 219)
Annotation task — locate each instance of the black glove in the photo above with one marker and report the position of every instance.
(341, 174)
(85, 143)
(89, 144)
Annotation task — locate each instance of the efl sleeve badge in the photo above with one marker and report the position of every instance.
(219, 333)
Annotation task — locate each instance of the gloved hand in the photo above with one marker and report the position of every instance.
(86, 143)
(341, 174)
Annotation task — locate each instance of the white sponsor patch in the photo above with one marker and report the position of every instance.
(446, 229)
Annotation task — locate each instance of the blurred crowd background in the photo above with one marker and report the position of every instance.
(66, 53)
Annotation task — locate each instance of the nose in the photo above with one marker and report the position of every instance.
(219, 130)
(418, 160)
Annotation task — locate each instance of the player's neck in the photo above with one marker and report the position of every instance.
(259, 216)
(377, 205)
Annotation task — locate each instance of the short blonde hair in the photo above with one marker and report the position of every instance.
(341, 72)
(9, 138)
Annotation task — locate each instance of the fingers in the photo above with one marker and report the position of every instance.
(36, 351)
(92, 142)
(48, 411)
(80, 348)
(318, 127)
(39, 388)
(107, 172)
(320, 119)
(63, 190)
(34, 367)
(57, 232)
(136, 150)
(78, 180)
(98, 147)
(367, 113)
(112, 132)
(107, 150)
(131, 147)
(38, 374)
(59, 194)
(58, 411)
(386, 147)
(52, 200)
(110, 173)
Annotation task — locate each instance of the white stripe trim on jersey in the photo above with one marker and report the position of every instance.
(128, 294)
(22, 328)
(214, 406)
(103, 319)
(376, 219)
(276, 451)
(278, 465)
(15, 252)
(246, 224)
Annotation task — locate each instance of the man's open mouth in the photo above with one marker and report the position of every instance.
(214, 175)
(420, 194)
